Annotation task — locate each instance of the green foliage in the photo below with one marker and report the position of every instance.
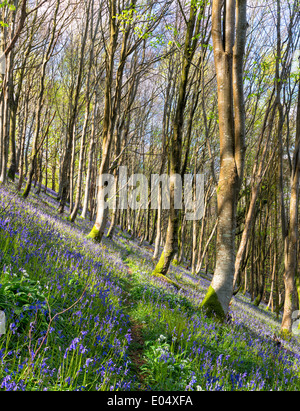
(19, 290)
(7, 3)
(131, 17)
(166, 369)
(11, 7)
(18, 293)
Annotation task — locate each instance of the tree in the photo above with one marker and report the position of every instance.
(36, 143)
(74, 103)
(125, 24)
(190, 45)
(292, 235)
(229, 42)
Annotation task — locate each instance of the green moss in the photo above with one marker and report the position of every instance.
(159, 270)
(298, 286)
(94, 234)
(212, 306)
(160, 265)
(257, 300)
(25, 192)
(176, 262)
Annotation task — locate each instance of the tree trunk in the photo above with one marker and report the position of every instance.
(229, 52)
(111, 110)
(66, 164)
(39, 106)
(191, 40)
(291, 248)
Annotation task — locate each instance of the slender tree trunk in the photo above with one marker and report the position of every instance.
(80, 167)
(39, 107)
(229, 52)
(191, 40)
(84, 131)
(5, 123)
(66, 164)
(13, 106)
(111, 111)
(293, 235)
(90, 165)
(22, 147)
(72, 171)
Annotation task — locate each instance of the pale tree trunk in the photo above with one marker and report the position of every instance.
(229, 55)
(22, 144)
(21, 22)
(166, 125)
(74, 212)
(113, 223)
(111, 110)
(13, 106)
(72, 170)
(117, 163)
(113, 95)
(122, 132)
(293, 235)
(258, 173)
(200, 262)
(159, 224)
(3, 80)
(70, 141)
(12, 159)
(166, 121)
(75, 209)
(46, 164)
(260, 170)
(14, 95)
(90, 164)
(289, 227)
(195, 223)
(102, 211)
(5, 124)
(39, 107)
(191, 40)
(5, 108)
(208, 196)
(270, 304)
(181, 240)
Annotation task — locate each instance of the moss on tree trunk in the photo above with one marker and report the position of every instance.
(212, 306)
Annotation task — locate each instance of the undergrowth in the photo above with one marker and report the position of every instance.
(71, 306)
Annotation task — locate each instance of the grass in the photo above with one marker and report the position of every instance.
(82, 316)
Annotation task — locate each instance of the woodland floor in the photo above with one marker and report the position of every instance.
(156, 338)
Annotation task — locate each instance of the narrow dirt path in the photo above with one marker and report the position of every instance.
(136, 355)
(137, 345)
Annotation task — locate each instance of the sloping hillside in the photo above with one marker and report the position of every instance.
(82, 316)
